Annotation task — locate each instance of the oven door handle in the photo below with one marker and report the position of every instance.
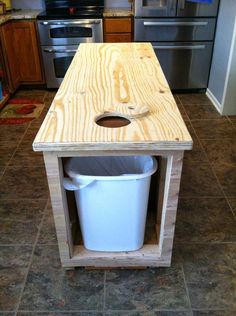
(60, 51)
(184, 23)
(72, 23)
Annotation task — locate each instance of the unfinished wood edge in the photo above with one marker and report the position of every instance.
(168, 197)
(59, 205)
(115, 152)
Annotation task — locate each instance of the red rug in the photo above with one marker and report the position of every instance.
(20, 110)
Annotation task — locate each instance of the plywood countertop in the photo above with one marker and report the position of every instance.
(113, 78)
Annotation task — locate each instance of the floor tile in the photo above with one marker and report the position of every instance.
(13, 267)
(24, 211)
(183, 112)
(232, 119)
(20, 220)
(49, 287)
(145, 289)
(196, 154)
(198, 180)
(177, 100)
(205, 220)
(24, 182)
(93, 313)
(14, 256)
(219, 151)
(6, 151)
(26, 153)
(12, 133)
(213, 129)
(194, 98)
(201, 111)
(226, 175)
(209, 272)
(31, 132)
(2, 168)
(31, 94)
(48, 231)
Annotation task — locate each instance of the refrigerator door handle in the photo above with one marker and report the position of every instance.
(184, 23)
(179, 46)
(181, 4)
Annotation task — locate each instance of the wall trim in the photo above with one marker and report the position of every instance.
(229, 63)
(215, 102)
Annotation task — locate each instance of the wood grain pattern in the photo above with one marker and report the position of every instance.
(107, 75)
(118, 25)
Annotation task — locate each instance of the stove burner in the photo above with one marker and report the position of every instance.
(70, 13)
(72, 9)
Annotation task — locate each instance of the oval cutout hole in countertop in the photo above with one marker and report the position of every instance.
(112, 121)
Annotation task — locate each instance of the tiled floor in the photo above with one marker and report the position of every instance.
(202, 278)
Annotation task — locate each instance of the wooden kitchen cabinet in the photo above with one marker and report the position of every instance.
(117, 30)
(27, 51)
(10, 58)
(21, 53)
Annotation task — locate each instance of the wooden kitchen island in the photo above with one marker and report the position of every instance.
(109, 81)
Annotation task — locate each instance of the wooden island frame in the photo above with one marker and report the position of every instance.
(120, 75)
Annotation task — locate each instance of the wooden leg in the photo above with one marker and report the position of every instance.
(54, 171)
(171, 168)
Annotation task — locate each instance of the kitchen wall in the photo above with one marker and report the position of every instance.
(27, 4)
(39, 4)
(223, 75)
(117, 3)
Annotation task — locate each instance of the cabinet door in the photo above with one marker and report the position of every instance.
(117, 30)
(27, 50)
(116, 25)
(9, 52)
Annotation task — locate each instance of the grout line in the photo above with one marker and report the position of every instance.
(231, 122)
(187, 291)
(31, 259)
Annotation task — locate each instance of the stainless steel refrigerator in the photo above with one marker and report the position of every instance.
(182, 33)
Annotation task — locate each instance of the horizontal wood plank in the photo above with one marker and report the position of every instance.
(118, 37)
(106, 78)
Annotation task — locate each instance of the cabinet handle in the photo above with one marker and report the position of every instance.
(72, 23)
(49, 50)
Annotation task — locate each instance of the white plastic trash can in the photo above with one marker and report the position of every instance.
(112, 198)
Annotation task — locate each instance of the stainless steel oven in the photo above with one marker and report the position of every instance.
(59, 42)
(62, 27)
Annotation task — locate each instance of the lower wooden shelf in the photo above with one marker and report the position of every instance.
(157, 248)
